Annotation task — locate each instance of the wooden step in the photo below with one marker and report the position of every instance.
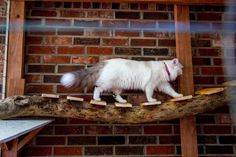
(54, 96)
(209, 91)
(150, 103)
(74, 98)
(100, 103)
(181, 98)
(124, 105)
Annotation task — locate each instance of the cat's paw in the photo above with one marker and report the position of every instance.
(97, 99)
(152, 100)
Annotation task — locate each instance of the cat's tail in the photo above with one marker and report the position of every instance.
(82, 78)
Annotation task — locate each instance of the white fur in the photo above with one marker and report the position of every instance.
(122, 74)
(68, 80)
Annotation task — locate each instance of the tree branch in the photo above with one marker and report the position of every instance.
(21, 106)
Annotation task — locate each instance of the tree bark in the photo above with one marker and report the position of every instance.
(30, 106)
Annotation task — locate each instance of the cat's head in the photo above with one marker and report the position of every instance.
(176, 68)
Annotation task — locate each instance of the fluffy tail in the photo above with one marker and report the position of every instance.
(82, 78)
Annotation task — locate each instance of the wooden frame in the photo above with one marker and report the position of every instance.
(15, 82)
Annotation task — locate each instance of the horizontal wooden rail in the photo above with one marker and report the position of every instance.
(182, 2)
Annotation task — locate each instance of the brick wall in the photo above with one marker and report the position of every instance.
(2, 38)
(66, 36)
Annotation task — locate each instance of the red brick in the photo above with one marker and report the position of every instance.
(56, 59)
(158, 150)
(72, 13)
(99, 50)
(115, 42)
(217, 61)
(32, 59)
(39, 88)
(50, 140)
(217, 129)
(212, 70)
(37, 151)
(203, 80)
(98, 32)
(42, 31)
(160, 129)
(70, 50)
(93, 130)
(41, 68)
(34, 40)
(142, 24)
(127, 15)
(71, 31)
(61, 89)
(57, 22)
(201, 61)
(41, 49)
(143, 42)
(127, 130)
(58, 40)
(67, 151)
(85, 60)
(33, 78)
(156, 15)
(45, 13)
(166, 42)
(127, 33)
(209, 16)
(68, 130)
(64, 69)
(169, 139)
(86, 41)
(115, 23)
(209, 51)
(224, 119)
(100, 14)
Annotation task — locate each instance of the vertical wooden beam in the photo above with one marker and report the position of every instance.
(186, 85)
(15, 61)
(12, 149)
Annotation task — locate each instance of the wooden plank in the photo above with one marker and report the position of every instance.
(74, 98)
(150, 103)
(15, 81)
(184, 53)
(209, 91)
(55, 96)
(12, 151)
(123, 105)
(100, 103)
(181, 98)
(183, 2)
(27, 138)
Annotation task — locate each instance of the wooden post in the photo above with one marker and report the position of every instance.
(186, 85)
(15, 61)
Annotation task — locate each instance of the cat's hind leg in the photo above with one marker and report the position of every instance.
(97, 92)
(117, 96)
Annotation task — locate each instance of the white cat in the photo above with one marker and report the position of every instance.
(121, 74)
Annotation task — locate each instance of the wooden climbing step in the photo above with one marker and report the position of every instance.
(150, 103)
(209, 91)
(181, 98)
(74, 98)
(100, 103)
(230, 83)
(54, 96)
(123, 105)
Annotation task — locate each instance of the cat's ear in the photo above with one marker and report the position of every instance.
(175, 61)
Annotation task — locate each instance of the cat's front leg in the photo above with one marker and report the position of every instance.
(96, 93)
(149, 92)
(166, 88)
